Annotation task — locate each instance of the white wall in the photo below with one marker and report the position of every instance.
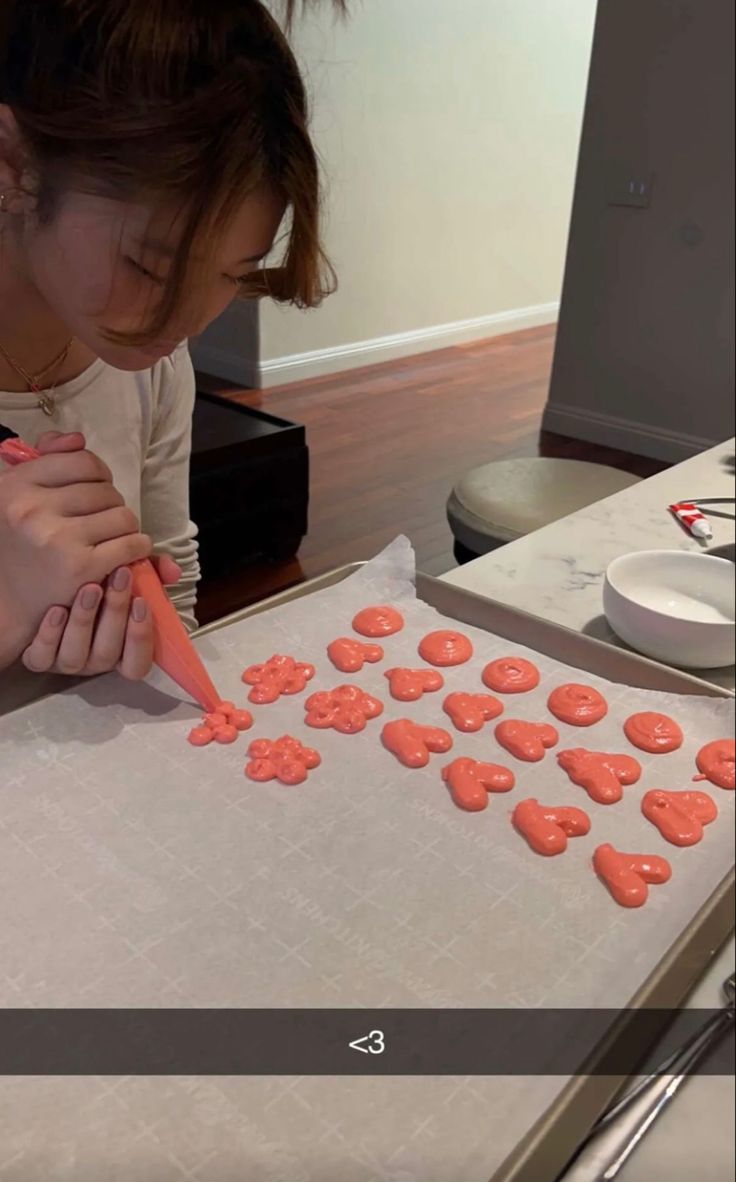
(449, 131)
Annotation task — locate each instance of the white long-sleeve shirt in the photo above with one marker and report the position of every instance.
(140, 425)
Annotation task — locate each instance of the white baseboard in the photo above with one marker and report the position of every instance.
(625, 434)
(225, 363)
(319, 362)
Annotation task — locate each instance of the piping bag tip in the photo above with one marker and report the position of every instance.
(173, 650)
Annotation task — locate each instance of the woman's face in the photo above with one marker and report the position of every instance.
(100, 265)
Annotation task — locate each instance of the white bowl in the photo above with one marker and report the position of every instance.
(673, 605)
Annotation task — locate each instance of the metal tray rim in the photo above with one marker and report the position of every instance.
(554, 1138)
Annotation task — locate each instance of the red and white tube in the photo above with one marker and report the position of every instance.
(690, 516)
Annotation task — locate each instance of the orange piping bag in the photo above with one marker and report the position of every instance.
(173, 650)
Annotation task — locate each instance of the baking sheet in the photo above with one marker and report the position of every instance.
(177, 882)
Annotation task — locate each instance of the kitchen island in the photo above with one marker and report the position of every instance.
(557, 572)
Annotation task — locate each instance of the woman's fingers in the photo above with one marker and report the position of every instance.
(109, 524)
(112, 620)
(82, 500)
(168, 571)
(40, 656)
(120, 552)
(102, 631)
(57, 468)
(76, 642)
(137, 655)
(53, 442)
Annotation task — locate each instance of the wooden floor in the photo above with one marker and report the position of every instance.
(388, 441)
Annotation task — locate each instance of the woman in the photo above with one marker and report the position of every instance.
(149, 152)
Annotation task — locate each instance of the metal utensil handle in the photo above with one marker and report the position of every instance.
(604, 1153)
(672, 1064)
(711, 501)
(636, 1122)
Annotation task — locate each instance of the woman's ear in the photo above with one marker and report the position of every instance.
(13, 178)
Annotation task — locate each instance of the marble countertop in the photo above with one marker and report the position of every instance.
(557, 572)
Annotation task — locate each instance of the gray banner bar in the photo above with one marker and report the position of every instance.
(345, 1042)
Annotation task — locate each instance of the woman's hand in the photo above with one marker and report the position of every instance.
(63, 525)
(106, 628)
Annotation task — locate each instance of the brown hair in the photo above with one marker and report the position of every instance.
(198, 101)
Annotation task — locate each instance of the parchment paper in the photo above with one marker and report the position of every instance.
(136, 870)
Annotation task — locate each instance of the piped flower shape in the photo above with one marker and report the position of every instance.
(346, 709)
(221, 725)
(278, 675)
(285, 759)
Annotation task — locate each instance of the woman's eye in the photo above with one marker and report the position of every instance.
(141, 270)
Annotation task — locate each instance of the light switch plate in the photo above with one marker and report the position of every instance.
(632, 189)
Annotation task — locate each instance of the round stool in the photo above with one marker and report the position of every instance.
(508, 499)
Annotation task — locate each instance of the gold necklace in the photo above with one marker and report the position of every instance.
(46, 402)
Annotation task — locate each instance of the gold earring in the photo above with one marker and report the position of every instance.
(3, 202)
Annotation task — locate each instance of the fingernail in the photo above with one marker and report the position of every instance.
(121, 579)
(140, 610)
(57, 616)
(90, 598)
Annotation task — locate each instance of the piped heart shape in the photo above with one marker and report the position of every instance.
(526, 740)
(412, 743)
(547, 828)
(627, 875)
(679, 816)
(601, 775)
(470, 711)
(470, 782)
(349, 655)
(408, 685)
